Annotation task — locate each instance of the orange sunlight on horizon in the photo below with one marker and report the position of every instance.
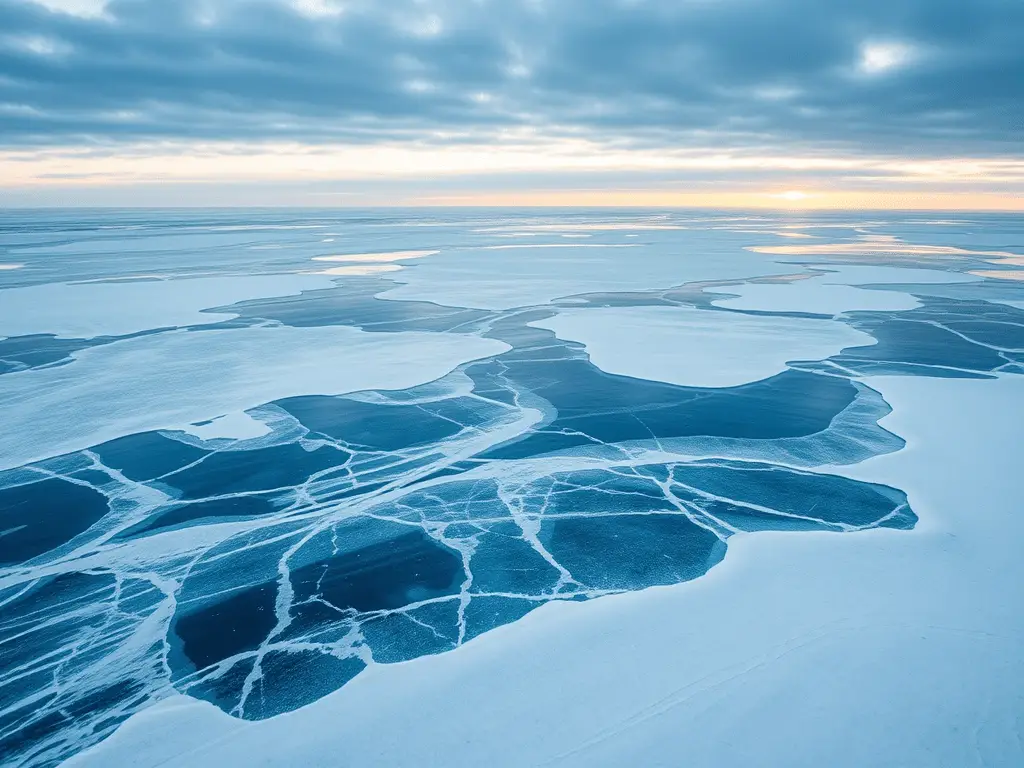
(830, 200)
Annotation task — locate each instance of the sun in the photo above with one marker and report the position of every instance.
(793, 195)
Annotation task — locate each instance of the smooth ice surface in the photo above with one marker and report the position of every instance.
(884, 648)
(699, 348)
(504, 279)
(813, 297)
(370, 258)
(879, 245)
(1001, 274)
(864, 274)
(835, 292)
(183, 377)
(360, 270)
(231, 426)
(87, 310)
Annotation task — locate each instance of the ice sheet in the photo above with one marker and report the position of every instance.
(87, 310)
(504, 279)
(878, 648)
(699, 348)
(184, 377)
(836, 291)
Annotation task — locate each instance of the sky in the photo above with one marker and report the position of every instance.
(748, 103)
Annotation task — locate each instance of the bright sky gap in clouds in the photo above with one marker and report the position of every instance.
(873, 103)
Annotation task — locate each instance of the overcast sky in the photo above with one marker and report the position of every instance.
(433, 101)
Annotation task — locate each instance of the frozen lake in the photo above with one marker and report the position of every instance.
(517, 487)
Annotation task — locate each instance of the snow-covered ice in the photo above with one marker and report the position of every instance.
(184, 377)
(836, 291)
(119, 308)
(647, 491)
(699, 348)
(231, 426)
(371, 258)
(504, 279)
(881, 648)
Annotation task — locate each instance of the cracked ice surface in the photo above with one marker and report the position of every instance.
(384, 526)
(884, 648)
(183, 377)
(240, 526)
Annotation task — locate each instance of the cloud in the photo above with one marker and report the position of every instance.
(924, 77)
(877, 58)
(84, 8)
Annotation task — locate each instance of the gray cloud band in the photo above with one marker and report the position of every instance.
(909, 76)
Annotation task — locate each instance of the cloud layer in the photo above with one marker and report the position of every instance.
(906, 77)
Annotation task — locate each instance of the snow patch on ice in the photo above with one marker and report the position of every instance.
(361, 270)
(88, 310)
(879, 245)
(1001, 274)
(183, 377)
(699, 348)
(523, 246)
(233, 426)
(370, 258)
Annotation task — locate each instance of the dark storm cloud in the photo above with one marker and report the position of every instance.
(649, 72)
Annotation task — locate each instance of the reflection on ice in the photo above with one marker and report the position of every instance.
(376, 257)
(884, 247)
(1000, 274)
(360, 270)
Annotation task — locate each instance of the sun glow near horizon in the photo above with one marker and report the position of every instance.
(519, 170)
